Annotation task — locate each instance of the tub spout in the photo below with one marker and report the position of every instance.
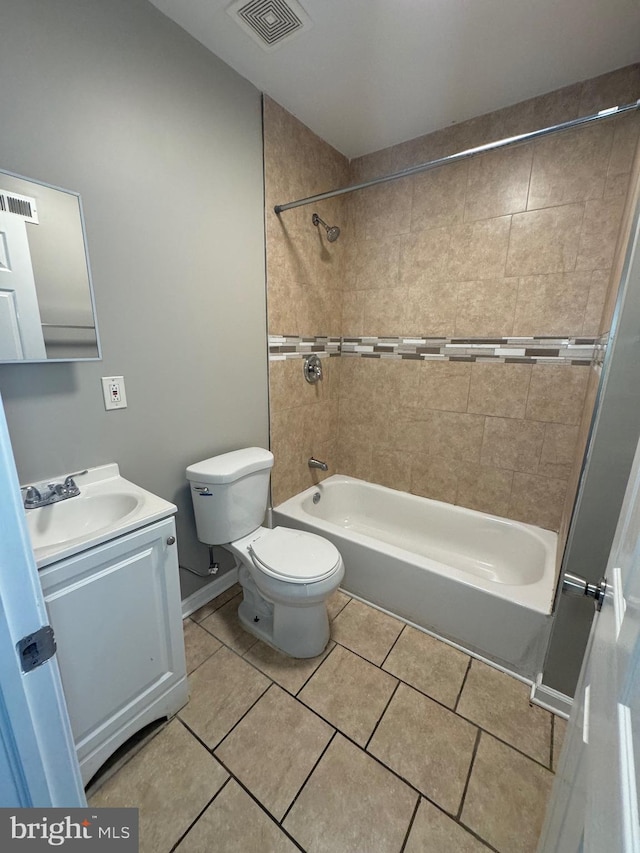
(316, 463)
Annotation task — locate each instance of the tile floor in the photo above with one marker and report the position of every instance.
(389, 741)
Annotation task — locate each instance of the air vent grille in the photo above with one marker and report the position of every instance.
(20, 205)
(270, 22)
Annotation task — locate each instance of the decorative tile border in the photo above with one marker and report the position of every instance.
(291, 346)
(533, 350)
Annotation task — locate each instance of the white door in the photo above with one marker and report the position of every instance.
(38, 764)
(594, 803)
(20, 327)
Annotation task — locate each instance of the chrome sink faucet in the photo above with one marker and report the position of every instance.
(43, 494)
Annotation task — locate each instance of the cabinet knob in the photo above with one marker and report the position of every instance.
(171, 540)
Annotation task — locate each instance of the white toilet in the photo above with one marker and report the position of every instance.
(286, 575)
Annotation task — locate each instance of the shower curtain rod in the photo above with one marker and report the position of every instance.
(462, 155)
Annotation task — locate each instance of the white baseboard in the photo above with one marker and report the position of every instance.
(210, 590)
(550, 699)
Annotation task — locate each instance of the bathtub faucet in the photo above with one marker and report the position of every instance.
(316, 463)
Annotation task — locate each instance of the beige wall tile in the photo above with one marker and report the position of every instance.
(486, 308)
(479, 249)
(537, 500)
(423, 257)
(570, 166)
(499, 389)
(560, 443)
(447, 435)
(354, 459)
(626, 130)
(376, 263)
(391, 468)
(557, 393)
(513, 444)
(436, 478)
(498, 183)
(383, 210)
(431, 309)
(444, 385)
(607, 90)
(552, 304)
(593, 315)
(385, 311)
(599, 234)
(439, 197)
(544, 241)
(353, 303)
(485, 489)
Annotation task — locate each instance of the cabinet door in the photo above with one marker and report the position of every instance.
(115, 612)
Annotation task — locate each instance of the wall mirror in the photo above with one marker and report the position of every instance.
(47, 310)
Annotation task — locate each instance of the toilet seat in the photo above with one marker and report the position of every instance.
(294, 555)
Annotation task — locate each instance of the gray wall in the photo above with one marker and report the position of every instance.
(164, 144)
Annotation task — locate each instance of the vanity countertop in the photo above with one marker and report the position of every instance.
(108, 506)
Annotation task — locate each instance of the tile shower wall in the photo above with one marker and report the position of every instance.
(304, 297)
(515, 243)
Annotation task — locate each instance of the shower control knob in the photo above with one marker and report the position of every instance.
(171, 540)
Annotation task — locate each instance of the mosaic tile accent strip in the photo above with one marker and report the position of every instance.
(534, 350)
(291, 346)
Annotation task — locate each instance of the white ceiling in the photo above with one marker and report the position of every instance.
(372, 73)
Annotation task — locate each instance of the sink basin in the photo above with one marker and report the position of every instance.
(107, 506)
(76, 517)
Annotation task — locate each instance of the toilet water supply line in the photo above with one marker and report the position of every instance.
(213, 569)
(462, 155)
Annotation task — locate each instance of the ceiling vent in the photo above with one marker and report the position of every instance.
(20, 205)
(270, 23)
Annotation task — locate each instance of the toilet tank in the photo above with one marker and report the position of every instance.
(230, 493)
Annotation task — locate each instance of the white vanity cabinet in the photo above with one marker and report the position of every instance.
(116, 615)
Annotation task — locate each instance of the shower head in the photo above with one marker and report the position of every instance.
(333, 232)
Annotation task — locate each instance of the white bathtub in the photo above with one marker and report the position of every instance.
(482, 582)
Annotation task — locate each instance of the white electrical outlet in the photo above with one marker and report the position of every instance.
(113, 392)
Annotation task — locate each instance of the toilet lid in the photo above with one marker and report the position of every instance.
(294, 555)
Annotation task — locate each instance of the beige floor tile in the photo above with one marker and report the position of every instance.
(366, 631)
(427, 745)
(274, 748)
(336, 602)
(215, 603)
(351, 804)
(559, 733)
(290, 673)
(506, 799)
(170, 781)
(500, 704)
(234, 823)
(433, 830)
(225, 625)
(222, 689)
(428, 665)
(350, 693)
(198, 644)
